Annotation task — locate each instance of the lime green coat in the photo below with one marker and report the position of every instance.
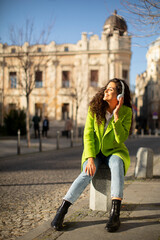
(112, 141)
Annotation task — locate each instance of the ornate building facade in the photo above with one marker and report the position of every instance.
(65, 76)
(148, 90)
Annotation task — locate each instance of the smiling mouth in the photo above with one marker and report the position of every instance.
(105, 96)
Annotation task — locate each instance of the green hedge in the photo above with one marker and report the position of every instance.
(16, 119)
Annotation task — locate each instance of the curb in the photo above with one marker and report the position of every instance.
(36, 231)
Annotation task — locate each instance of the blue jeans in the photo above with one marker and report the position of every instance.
(116, 166)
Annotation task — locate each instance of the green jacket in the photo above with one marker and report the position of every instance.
(112, 141)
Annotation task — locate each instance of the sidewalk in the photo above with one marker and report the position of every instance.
(8, 147)
(140, 218)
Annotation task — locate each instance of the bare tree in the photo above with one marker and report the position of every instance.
(77, 96)
(144, 16)
(26, 54)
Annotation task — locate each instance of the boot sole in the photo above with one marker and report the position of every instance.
(57, 228)
(112, 229)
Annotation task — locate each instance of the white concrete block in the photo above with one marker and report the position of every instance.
(144, 165)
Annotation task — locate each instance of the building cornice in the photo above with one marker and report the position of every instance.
(59, 53)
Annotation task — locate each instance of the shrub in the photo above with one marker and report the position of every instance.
(16, 119)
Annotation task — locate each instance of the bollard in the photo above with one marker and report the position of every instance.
(18, 142)
(71, 138)
(142, 132)
(144, 165)
(58, 133)
(156, 132)
(40, 141)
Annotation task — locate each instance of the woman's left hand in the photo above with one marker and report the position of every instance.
(116, 110)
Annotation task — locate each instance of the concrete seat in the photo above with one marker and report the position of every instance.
(100, 190)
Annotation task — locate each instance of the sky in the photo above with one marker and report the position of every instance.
(70, 18)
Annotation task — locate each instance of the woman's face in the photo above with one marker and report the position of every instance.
(110, 94)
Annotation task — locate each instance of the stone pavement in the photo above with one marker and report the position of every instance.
(31, 187)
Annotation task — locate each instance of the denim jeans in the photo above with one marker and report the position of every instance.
(117, 178)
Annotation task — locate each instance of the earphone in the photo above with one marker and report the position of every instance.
(122, 94)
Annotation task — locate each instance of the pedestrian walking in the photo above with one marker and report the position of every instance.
(45, 127)
(36, 121)
(68, 127)
(107, 127)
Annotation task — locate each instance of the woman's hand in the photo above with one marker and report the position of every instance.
(90, 168)
(116, 110)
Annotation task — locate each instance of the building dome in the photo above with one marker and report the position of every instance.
(115, 22)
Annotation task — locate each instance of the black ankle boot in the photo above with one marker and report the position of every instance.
(114, 222)
(58, 219)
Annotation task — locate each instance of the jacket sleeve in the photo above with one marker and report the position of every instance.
(89, 140)
(122, 126)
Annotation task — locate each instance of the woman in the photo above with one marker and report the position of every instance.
(107, 127)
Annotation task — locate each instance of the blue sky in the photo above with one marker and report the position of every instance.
(70, 18)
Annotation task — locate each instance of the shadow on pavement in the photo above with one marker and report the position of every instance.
(51, 160)
(140, 207)
(126, 223)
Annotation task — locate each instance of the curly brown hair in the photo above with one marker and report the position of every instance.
(98, 106)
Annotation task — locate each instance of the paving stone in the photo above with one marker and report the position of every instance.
(25, 203)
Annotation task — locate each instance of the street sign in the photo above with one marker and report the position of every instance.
(155, 115)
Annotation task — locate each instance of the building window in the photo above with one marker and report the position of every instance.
(38, 109)
(13, 50)
(39, 50)
(94, 78)
(38, 79)
(12, 80)
(65, 111)
(66, 49)
(65, 79)
(125, 74)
